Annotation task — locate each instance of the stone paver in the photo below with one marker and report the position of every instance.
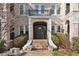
(39, 53)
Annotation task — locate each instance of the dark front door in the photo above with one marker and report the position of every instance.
(40, 32)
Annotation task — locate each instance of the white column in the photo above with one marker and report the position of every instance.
(24, 29)
(49, 35)
(71, 32)
(66, 28)
(30, 29)
(18, 32)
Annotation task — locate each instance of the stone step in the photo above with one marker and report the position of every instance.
(39, 44)
(39, 53)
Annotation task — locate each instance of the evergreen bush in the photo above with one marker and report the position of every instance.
(20, 41)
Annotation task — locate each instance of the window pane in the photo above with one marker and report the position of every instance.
(58, 10)
(25, 9)
(21, 30)
(39, 9)
(42, 8)
(53, 29)
(36, 11)
(21, 9)
(67, 8)
(53, 6)
(58, 29)
(53, 9)
(12, 7)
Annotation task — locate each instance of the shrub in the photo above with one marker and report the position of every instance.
(65, 53)
(20, 41)
(2, 45)
(76, 43)
(62, 40)
(56, 40)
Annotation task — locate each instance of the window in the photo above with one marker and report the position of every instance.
(12, 35)
(58, 30)
(67, 8)
(39, 9)
(26, 29)
(58, 10)
(42, 8)
(23, 9)
(53, 9)
(21, 30)
(53, 29)
(12, 8)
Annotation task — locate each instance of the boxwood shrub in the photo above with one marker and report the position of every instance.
(20, 41)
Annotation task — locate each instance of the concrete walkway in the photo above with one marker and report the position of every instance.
(38, 53)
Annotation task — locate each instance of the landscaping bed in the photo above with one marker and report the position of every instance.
(61, 40)
(20, 41)
(64, 52)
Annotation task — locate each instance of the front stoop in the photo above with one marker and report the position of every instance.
(39, 44)
(39, 48)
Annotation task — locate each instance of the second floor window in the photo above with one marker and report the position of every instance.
(67, 8)
(39, 9)
(12, 8)
(53, 9)
(58, 10)
(23, 9)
